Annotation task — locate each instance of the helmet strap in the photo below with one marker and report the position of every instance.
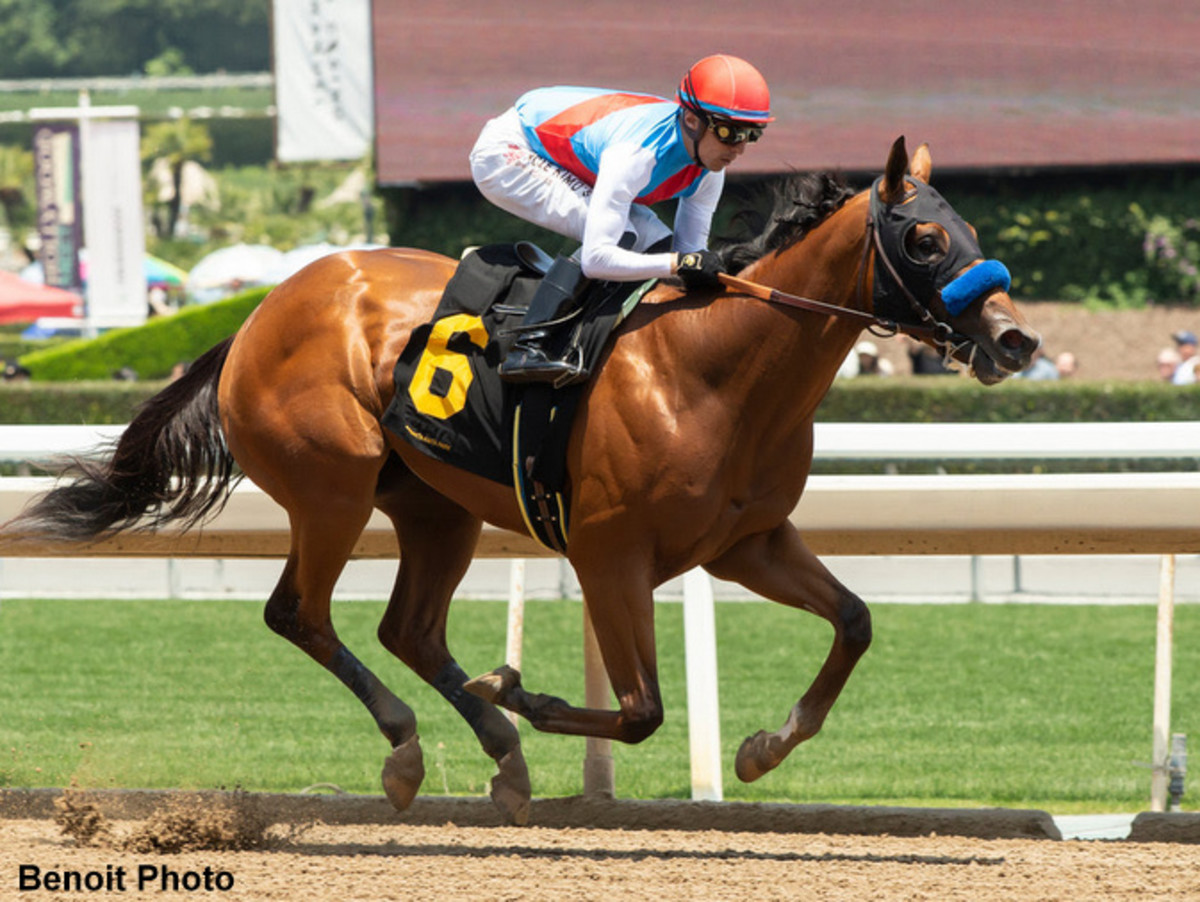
(695, 134)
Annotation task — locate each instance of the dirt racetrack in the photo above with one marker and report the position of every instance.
(287, 847)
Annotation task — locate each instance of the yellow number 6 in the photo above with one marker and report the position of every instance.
(438, 357)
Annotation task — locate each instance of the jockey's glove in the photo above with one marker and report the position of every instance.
(699, 269)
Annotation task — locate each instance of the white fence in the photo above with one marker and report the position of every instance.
(1025, 513)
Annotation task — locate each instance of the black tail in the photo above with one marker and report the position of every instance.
(171, 465)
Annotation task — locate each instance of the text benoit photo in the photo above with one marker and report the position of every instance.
(142, 878)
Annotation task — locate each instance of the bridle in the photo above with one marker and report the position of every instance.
(954, 346)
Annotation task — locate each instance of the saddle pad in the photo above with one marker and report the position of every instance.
(449, 401)
(452, 405)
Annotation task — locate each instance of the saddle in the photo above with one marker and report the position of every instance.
(451, 404)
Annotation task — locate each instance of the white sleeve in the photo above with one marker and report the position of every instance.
(694, 215)
(625, 170)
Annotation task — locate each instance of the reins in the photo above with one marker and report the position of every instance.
(886, 327)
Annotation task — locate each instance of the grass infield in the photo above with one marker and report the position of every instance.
(1030, 706)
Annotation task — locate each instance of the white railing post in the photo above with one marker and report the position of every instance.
(704, 710)
(599, 775)
(515, 634)
(1160, 761)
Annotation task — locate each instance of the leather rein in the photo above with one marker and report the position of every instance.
(941, 335)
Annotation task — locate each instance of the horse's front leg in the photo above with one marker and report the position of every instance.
(778, 565)
(620, 604)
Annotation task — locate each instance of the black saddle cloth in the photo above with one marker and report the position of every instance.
(451, 404)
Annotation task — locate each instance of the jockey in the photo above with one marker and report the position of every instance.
(588, 163)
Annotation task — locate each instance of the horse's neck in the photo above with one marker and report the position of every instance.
(825, 265)
(805, 349)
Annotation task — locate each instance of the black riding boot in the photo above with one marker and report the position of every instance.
(529, 361)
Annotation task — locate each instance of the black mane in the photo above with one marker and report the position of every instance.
(797, 203)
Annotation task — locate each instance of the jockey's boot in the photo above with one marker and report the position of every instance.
(528, 361)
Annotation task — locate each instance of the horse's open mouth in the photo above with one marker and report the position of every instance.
(981, 365)
(986, 369)
(995, 356)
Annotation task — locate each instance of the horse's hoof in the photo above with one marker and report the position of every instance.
(403, 771)
(491, 687)
(747, 764)
(511, 792)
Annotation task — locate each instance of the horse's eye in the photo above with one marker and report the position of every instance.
(926, 247)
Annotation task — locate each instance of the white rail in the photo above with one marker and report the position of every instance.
(833, 441)
(1066, 513)
(39, 444)
(996, 441)
(1027, 513)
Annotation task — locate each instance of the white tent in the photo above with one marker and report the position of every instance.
(298, 258)
(231, 269)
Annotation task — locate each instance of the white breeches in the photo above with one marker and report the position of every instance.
(516, 179)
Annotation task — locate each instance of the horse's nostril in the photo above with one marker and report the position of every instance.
(1019, 341)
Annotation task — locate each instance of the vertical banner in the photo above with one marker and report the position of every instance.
(59, 217)
(113, 224)
(322, 79)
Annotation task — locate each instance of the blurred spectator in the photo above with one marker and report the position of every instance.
(1168, 361)
(14, 372)
(1185, 373)
(1041, 370)
(156, 299)
(869, 361)
(849, 367)
(1066, 364)
(924, 359)
(125, 374)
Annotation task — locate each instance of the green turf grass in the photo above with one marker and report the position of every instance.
(1015, 705)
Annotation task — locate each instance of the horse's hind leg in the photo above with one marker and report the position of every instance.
(438, 538)
(324, 530)
(779, 566)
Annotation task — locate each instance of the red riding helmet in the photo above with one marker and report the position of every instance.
(728, 87)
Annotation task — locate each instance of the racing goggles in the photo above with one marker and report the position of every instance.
(729, 132)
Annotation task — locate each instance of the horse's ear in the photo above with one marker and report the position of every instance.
(892, 189)
(921, 166)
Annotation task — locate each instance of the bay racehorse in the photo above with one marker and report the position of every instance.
(691, 447)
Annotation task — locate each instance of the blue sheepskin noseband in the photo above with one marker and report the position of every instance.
(974, 283)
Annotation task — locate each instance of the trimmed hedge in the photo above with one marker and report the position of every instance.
(72, 403)
(949, 399)
(915, 399)
(151, 350)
